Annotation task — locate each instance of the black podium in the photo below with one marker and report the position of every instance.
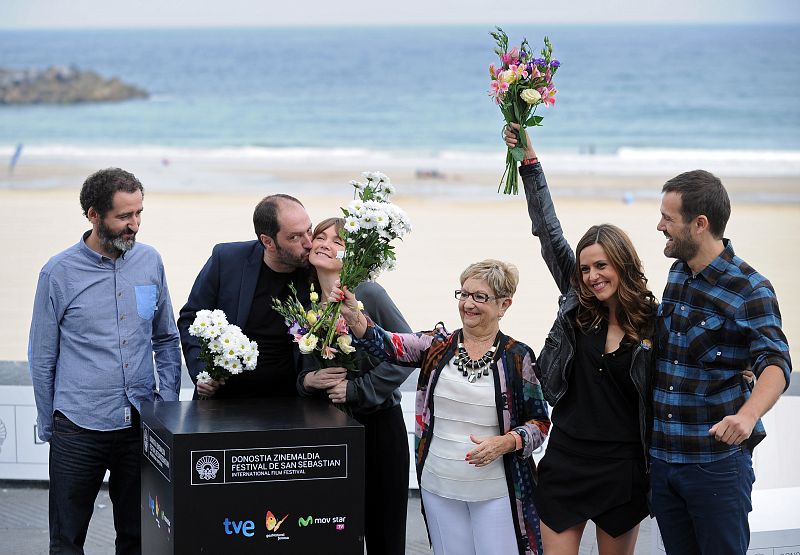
(274, 476)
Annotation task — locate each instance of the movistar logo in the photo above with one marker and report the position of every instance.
(305, 521)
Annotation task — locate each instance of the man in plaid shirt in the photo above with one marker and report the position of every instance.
(718, 317)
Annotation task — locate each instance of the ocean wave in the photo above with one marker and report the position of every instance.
(626, 161)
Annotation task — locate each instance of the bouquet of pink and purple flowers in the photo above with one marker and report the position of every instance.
(521, 84)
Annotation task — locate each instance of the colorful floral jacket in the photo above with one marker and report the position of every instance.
(520, 407)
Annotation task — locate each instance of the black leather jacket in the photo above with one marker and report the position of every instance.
(554, 362)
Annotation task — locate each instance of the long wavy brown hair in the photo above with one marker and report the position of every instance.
(636, 306)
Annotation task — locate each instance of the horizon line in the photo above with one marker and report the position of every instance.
(388, 25)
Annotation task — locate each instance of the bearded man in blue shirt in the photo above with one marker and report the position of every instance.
(101, 312)
(718, 317)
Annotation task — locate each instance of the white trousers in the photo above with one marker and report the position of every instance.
(469, 527)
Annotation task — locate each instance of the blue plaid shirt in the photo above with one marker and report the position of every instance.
(711, 326)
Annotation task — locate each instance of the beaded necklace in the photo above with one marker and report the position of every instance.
(474, 369)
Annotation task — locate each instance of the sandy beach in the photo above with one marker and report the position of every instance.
(458, 218)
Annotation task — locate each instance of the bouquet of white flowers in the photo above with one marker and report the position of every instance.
(371, 222)
(225, 350)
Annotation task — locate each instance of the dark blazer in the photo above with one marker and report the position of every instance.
(227, 282)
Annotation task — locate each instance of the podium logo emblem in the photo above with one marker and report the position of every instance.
(207, 467)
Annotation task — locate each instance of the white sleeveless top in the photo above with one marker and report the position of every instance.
(461, 408)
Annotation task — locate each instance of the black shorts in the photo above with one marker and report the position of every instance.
(573, 489)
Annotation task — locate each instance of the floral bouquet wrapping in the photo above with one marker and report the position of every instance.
(371, 223)
(225, 350)
(521, 84)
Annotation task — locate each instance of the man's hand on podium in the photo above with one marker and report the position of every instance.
(208, 389)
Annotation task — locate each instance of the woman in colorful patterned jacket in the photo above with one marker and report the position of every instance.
(480, 414)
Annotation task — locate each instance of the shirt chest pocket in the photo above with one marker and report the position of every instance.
(146, 298)
(705, 335)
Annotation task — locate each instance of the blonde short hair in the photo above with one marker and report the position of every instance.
(502, 277)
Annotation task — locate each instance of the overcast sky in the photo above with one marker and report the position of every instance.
(21, 14)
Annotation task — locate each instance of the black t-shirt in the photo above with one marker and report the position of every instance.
(600, 410)
(275, 374)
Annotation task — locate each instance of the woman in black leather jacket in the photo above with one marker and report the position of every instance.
(595, 369)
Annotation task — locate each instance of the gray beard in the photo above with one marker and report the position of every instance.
(114, 243)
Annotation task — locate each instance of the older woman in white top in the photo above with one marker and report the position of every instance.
(480, 414)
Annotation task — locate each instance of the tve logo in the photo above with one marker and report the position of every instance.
(239, 527)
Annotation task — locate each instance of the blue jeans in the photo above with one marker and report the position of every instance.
(78, 461)
(702, 508)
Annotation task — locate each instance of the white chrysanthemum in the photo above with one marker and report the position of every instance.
(204, 325)
(235, 366)
(219, 318)
(215, 346)
(232, 343)
(367, 220)
(381, 219)
(308, 343)
(351, 225)
(373, 204)
(355, 208)
(249, 361)
(203, 377)
(377, 177)
(221, 361)
(357, 185)
(389, 189)
(380, 177)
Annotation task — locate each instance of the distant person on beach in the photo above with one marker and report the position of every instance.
(596, 369)
(101, 313)
(372, 395)
(14, 159)
(242, 279)
(718, 316)
(480, 415)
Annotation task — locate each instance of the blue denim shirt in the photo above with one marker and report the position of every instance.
(96, 325)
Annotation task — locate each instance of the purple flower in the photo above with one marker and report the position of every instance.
(540, 62)
(555, 63)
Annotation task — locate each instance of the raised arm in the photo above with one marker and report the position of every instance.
(407, 349)
(372, 388)
(556, 252)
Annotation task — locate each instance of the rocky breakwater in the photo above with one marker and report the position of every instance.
(60, 85)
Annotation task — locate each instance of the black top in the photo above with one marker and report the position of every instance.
(275, 374)
(598, 415)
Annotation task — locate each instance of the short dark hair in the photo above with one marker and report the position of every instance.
(99, 188)
(265, 216)
(702, 193)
